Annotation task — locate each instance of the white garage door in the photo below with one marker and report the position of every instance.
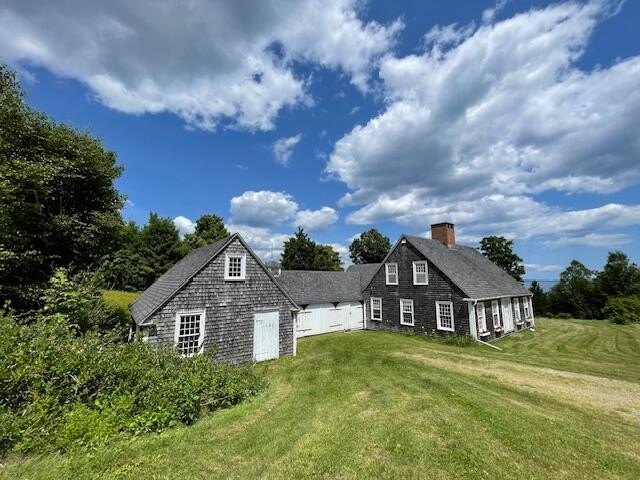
(325, 318)
(266, 330)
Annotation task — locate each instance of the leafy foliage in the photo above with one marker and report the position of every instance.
(58, 203)
(623, 310)
(60, 390)
(370, 247)
(209, 229)
(575, 293)
(540, 299)
(500, 251)
(302, 253)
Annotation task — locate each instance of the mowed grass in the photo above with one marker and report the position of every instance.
(119, 298)
(560, 402)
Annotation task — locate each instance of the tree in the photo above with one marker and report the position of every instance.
(619, 276)
(540, 299)
(299, 252)
(500, 251)
(160, 245)
(574, 294)
(370, 247)
(209, 229)
(58, 203)
(326, 258)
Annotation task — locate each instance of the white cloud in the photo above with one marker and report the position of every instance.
(606, 240)
(343, 251)
(535, 267)
(209, 62)
(486, 119)
(313, 220)
(263, 241)
(263, 208)
(184, 225)
(283, 148)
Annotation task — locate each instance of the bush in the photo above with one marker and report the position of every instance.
(623, 310)
(60, 390)
(562, 316)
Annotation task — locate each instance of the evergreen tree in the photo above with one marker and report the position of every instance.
(209, 229)
(299, 252)
(540, 299)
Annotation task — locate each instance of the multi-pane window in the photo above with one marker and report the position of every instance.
(495, 313)
(392, 273)
(527, 309)
(376, 308)
(189, 333)
(234, 267)
(482, 318)
(444, 316)
(420, 274)
(516, 309)
(406, 312)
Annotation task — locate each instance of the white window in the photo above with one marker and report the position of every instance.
(527, 308)
(444, 316)
(235, 266)
(406, 312)
(495, 313)
(392, 273)
(516, 309)
(482, 318)
(420, 273)
(189, 333)
(376, 308)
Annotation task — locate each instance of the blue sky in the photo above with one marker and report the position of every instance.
(511, 118)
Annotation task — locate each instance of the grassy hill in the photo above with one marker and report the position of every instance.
(561, 402)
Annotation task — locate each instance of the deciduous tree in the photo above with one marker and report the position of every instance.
(370, 247)
(500, 251)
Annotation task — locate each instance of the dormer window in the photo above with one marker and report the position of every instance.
(420, 273)
(235, 267)
(392, 273)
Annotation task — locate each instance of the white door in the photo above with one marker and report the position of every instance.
(266, 329)
(352, 315)
(507, 315)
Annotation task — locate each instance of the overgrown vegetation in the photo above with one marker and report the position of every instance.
(61, 390)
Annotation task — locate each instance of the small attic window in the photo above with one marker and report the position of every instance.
(235, 267)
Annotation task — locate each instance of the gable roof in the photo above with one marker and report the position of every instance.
(308, 286)
(172, 281)
(476, 275)
(366, 271)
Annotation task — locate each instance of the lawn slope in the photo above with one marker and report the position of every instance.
(561, 402)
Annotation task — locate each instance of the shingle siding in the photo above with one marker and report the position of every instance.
(424, 297)
(229, 307)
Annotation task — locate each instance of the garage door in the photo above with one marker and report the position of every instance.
(326, 318)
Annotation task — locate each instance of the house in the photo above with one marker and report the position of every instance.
(219, 297)
(329, 301)
(436, 287)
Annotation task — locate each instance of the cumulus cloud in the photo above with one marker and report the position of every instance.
(283, 148)
(607, 240)
(184, 225)
(266, 243)
(487, 118)
(209, 62)
(313, 220)
(263, 208)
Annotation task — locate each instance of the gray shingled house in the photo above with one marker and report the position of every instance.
(220, 297)
(436, 287)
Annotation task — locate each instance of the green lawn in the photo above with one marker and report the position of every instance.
(119, 298)
(561, 402)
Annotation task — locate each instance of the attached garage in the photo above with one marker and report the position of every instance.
(329, 301)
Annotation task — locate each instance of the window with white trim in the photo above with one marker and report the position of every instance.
(495, 313)
(391, 270)
(406, 312)
(235, 266)
(376, 308)
(420, 273)
(481, 316)
(444, 316)
(189, 333)
(516, 309)
(527, 309)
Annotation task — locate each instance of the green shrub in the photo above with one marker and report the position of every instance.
(562, 316)
(61, 390)
(623, 310)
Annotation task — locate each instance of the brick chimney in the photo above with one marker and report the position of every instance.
(445, 233)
